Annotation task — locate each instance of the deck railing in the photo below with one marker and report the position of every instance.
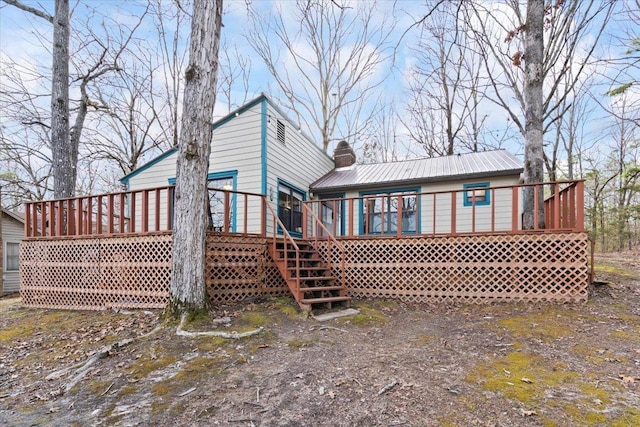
(318, 231)
(476, 210)
(468, 211)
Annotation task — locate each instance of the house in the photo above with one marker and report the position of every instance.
(258, 149)
(255, 149)
(286, 218)
(11, 233)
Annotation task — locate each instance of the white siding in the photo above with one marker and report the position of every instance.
(298, 161)
(502, 199)
(12, 232)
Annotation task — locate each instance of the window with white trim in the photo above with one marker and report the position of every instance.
(12, 256)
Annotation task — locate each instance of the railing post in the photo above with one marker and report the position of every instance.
(170, 191)
(145, 211)
(556, 207)
(246, 214)
(157, 209)
(132, 213)
(399, 216)
(227, 211)
(305, 231)
(27, 220)
(351, 216)
(99, 216)
(453, 211)
(493, 210)
(579, 208)
(515, 214)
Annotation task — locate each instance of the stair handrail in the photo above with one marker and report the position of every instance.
(287, 237)
(331, 238)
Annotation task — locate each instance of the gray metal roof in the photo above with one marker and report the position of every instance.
(458, 166)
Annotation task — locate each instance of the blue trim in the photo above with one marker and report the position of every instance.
(294, 188)
(239, 111)
(125, 179)
(388, 192)
(263, 145)
(487, 198)
(342, 206)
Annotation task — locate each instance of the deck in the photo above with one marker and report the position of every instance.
(114, 250)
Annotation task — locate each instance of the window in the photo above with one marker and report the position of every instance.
(280, 131)
(12, 256)
(477, 194)
(217, 202)
(290, 208)
(331, 208)
(381, 212)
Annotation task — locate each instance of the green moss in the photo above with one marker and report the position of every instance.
(150, 362)
(253, 319)
(618, 271)
(367, 316)
(547, 326)
(423, 340)
(505, 375)
(630, 417)
(627, 336)
(127, 390)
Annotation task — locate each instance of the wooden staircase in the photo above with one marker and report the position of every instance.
(309, 278)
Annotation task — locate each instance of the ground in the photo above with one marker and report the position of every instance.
(392, 365)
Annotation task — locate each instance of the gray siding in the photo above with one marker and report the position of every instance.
(298, 161)
(12, 232)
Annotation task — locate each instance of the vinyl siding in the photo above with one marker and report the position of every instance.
(298, 161)
(235, 145)
(12, 232)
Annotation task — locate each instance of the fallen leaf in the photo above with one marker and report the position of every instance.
(321, 391)
(526, 380)
(629, 380)
(528, 413)
(332, 394)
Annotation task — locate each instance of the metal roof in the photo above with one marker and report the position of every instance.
(457, 166)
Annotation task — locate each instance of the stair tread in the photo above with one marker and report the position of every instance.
(314, 278)
(325, 299)
(321, 288)
(317, 267)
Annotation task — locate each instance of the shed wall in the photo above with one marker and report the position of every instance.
(12, 232)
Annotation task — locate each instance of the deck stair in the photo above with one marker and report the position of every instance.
(309, 278)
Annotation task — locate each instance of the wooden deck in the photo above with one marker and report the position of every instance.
(115, 251)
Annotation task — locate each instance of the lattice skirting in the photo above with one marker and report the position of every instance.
(537, 267)
(135, 271)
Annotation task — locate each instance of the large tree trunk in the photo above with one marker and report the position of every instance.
(188, 284)
(533, 80)
(62, 151)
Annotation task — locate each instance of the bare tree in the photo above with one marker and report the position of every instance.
(327, 73)
(235, 76)
(566, 52)
(64, 153)
(445, 89)
(188, 284)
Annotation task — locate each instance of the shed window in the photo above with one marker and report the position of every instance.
(281, 130)
(477, 194)
(12, 255)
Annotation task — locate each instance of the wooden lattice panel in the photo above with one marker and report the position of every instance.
(239, 267)
(96, 273)
(534, 267)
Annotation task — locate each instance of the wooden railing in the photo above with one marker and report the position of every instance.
(325, 234)
(471, 211)
(287, 241)
(455, 212)
(137, 211)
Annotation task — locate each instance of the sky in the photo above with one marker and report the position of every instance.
(25, 39)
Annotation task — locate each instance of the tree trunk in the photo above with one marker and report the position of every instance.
(63, 168)
(533, 79)
(188, 284)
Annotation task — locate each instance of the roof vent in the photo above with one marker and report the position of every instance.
(344, 155)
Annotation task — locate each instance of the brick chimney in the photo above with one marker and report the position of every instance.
(343, 155)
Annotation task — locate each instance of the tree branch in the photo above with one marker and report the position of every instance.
(30, 9)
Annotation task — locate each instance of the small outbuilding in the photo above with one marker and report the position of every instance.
(11, 232)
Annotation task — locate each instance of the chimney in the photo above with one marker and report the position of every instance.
(343, 155)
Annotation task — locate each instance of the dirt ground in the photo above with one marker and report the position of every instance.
(391, 365)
